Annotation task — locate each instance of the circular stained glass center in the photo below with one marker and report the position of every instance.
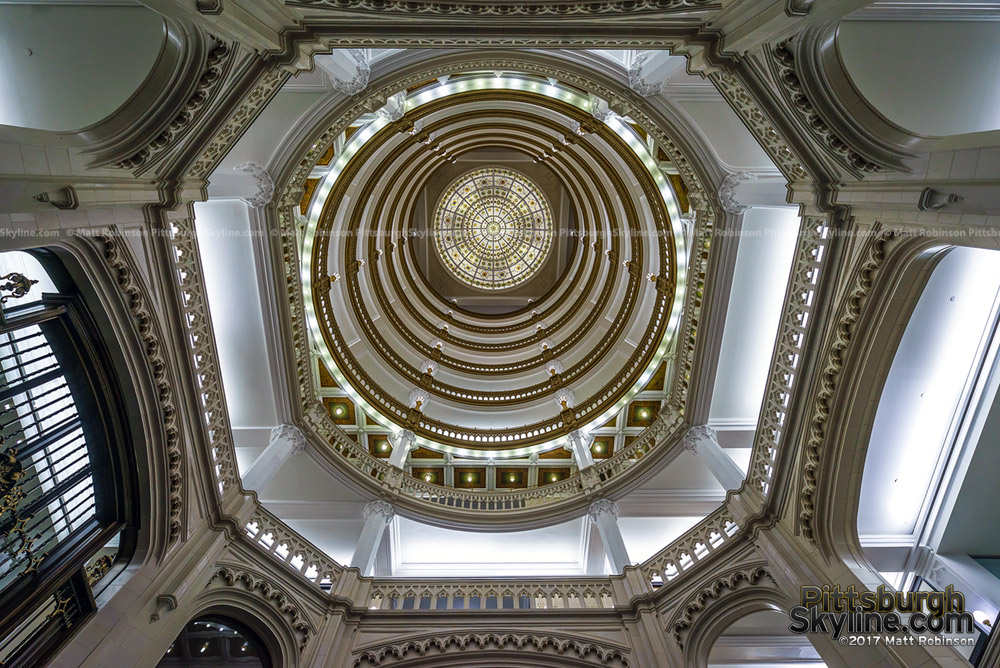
(493, 228)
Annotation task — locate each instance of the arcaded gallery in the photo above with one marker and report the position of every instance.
(499, 333)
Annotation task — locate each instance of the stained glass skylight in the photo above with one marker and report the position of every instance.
(493, 228)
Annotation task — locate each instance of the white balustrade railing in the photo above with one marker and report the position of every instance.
(683, 554)
(491, 595)
(800, 302)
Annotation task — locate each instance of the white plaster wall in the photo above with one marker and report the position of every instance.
(760, 280)
(84, 62)
(933, 78)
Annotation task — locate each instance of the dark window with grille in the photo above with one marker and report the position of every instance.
(66, 465)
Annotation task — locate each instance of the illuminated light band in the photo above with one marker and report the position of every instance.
(484, 83)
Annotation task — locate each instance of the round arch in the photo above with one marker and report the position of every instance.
(872, 320)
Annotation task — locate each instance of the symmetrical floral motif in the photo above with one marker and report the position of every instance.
(360, 79)
(265, 186)
(493, 228)
(637, 82)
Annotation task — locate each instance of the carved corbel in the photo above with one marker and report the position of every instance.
(64, 198)
(164, 604)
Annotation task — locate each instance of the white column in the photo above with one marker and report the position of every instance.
(703, 441)
(604, 513)
(377, 514)
(404, 442)
(285, 441)
(579, 444)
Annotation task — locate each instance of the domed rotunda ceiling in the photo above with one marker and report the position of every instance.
(493, 228)
(490, 265)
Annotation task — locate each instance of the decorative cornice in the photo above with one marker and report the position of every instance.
(736, 93)
(449, 643)
(784, 60)
(508, 8)
(212, 74)
(265, 186)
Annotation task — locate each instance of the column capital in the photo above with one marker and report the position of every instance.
(696, 434)
(379, 508)
(291, 434)
(265, 185)
(727, 191)
(602, 508)
(640, 83)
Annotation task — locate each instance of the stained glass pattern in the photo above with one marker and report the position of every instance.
(493, 228)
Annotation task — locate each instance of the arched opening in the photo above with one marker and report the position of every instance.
(69, 515)
(762, 639)
(933, 445)
(217, 640)
(53, 60)
(934, 78)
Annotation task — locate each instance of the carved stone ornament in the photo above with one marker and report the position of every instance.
(873, 257)
(602, 508)
(394, 109)
(635, 79)
(454, 643)
(379, 508)
(360, 80)
(727, 191)
(65, 198)
(932, 200)
(271, 595)
(265, 186)
(697, 434)
(784, 59)
(164, 604)
(697, 604)
(600, 110)
(292, 434)
(798, 7)
(211, 77)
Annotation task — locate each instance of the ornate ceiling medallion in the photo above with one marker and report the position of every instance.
(493, 228)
